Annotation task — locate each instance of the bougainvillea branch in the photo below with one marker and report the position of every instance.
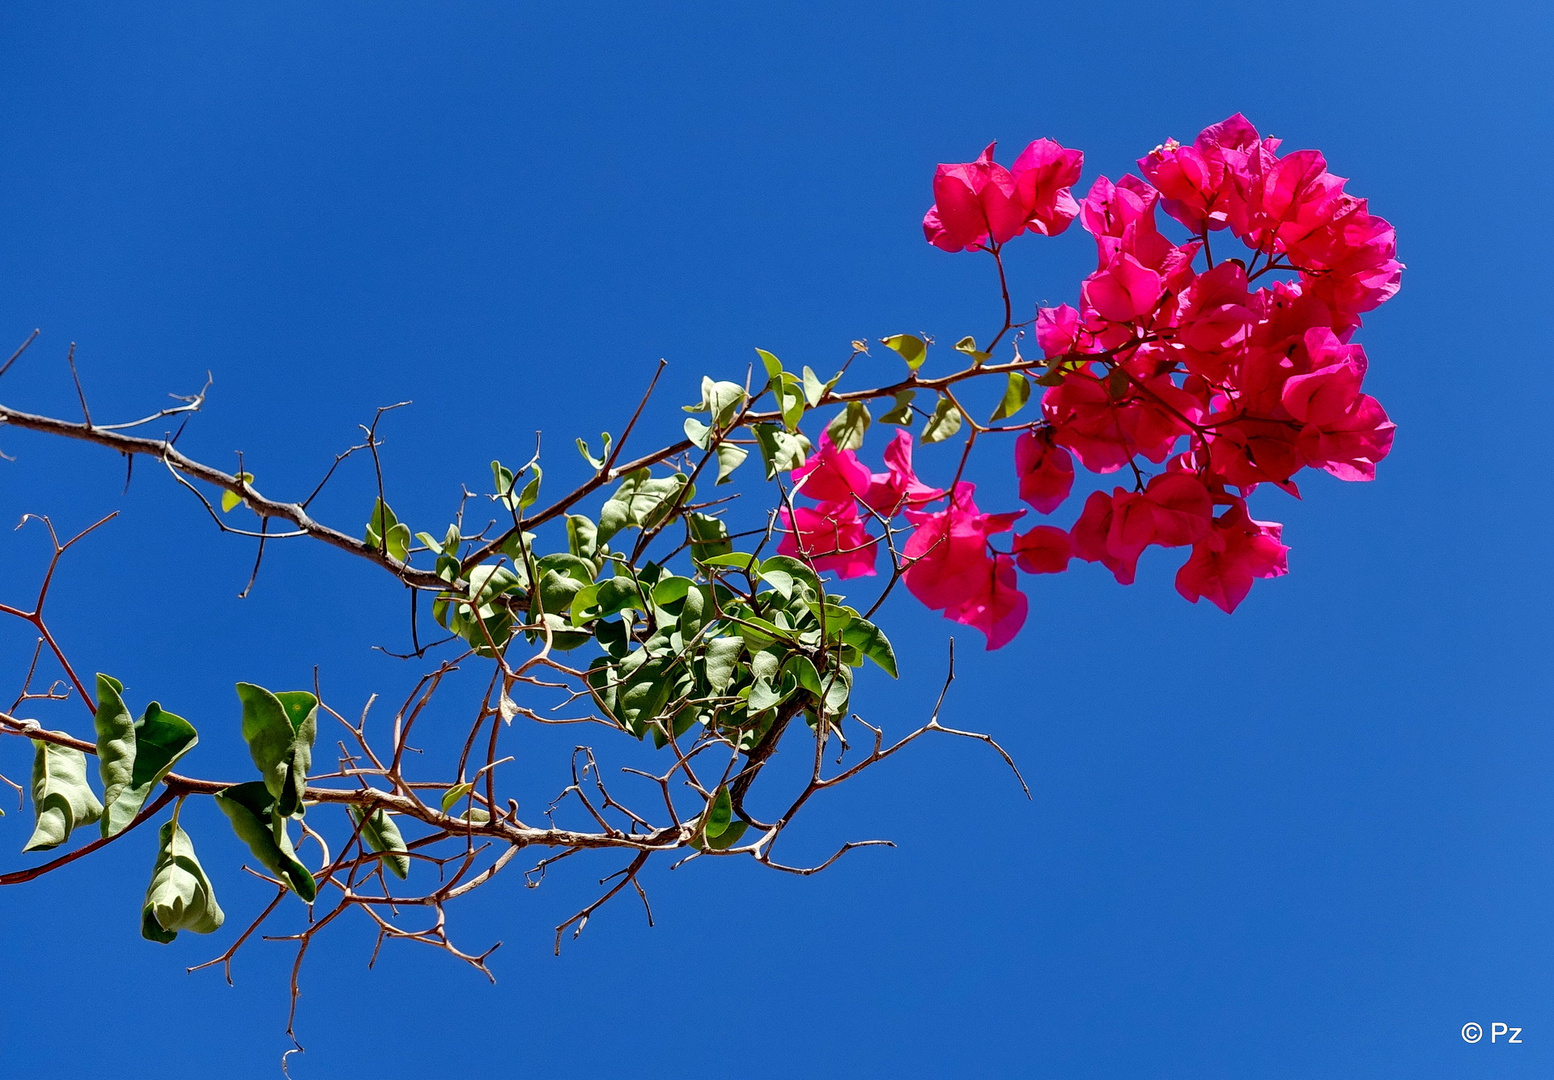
(713, 631)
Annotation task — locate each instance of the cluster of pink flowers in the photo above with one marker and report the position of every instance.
(1220, 383)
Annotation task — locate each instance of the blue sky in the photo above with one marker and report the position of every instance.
(1309, 840)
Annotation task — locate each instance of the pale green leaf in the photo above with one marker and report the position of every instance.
(944, 422)
(180, 896)
(913, 349)
(1016, 394)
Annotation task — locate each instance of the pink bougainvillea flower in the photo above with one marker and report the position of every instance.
(1123, 291)
(1113, 530)
(1090, 534)
(947, 555)
(1046, 549)
(831, 474)
(1246, 452)
(1324, 397)
(975, 203)
(1198, 183)
(831, 536)
(1046, 470)
(1214, 319)
(1043, 174)
(1350, 264)
(1350, 446)
(1158, 413)
(1181, 508)
(995, 605)
(1060, 331)
(1236, 552)
(1121, 217)
(1085, 419)
(898, 488)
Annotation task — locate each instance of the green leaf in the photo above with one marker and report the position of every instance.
(61, 797)
(379, 833)
(814, 389)
(582, 536)
(531, 491)
(609, 597)
(772, 364)
(641, 501)
(133, 761)
(398, 543)
(728, 837)
(944, 422)
(596, 462)
(722, 657)
(699, 433)
(720, 830)
(790, 399)
(381, 521)
(803, 669)
(722, 399)
(838, 689)
(180, 896)
(502, 479)
(872, 642)
(913, 349)
(730, 457)
(793, 568)
(737, 560)
(1117, 383)
(251, 809)
(231, 499)
(968, 345)
(451, 797)
(900, 413)
(849, 427)
(279, 729)
(782, 450)
(115, 747)
(1016, 394)
(720, 814)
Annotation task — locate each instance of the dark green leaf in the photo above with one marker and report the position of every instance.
(708, 535)
(872, 642)
(159, 740)
(720, 814)
(251, 809)
(379, 833)
(279, 729)
(641, 501)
